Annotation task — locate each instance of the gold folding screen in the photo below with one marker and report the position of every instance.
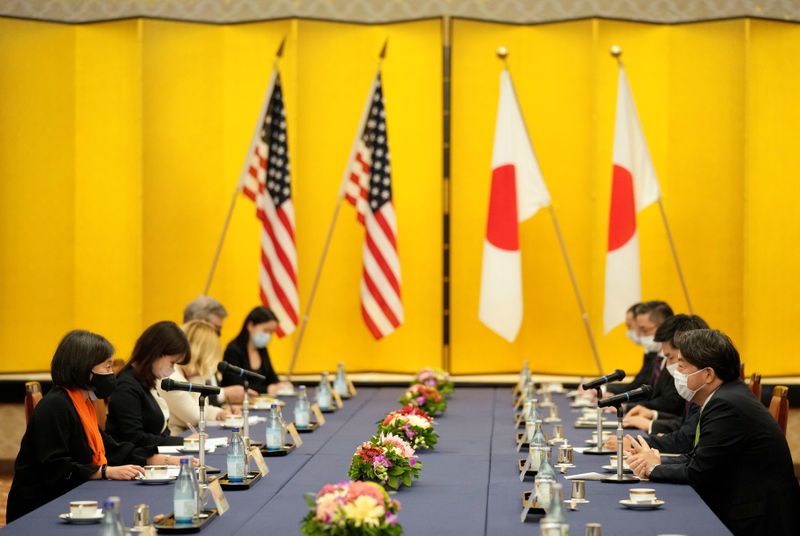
(121, 143)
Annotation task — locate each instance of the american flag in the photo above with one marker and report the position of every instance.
(267, 182)
(369, 189)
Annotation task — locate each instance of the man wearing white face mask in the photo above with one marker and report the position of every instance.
(647, 317)
(666, 410)
(740, 464)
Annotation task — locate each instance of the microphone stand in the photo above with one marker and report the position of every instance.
(599, 449)
(246, 425)
(620, 478)
(202, 476)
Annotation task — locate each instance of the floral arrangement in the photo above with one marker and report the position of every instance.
(387, 459)
(424, 397)
(435, 377)
(411, 423)
(351, 508)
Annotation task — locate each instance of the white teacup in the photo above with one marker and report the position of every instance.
(642, 495)
(191, 443)
(156, 471)
(606, 435)
(82, 509)
(613, 460)
(234, 420)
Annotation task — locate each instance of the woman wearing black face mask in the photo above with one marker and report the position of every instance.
(63, 445)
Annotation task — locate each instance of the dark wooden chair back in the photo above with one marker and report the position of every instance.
(779, 405)
(33, 394)
(755, 385)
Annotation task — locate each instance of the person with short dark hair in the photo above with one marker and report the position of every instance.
(630, 324)
(63, 445)
(647, 317)
(665, 410)
(249, 351)
(740, 464)
(137, 413)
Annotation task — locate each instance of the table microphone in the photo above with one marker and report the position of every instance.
(168, 384)
(615, 376)
(642, 392)
(224, 366)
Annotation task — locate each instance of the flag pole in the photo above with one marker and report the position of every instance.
(616, 52)
(578, 298)
(502, 53)
(307, 313)
(675, 255)
(238, 188)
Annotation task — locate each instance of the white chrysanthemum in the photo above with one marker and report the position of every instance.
(364, 510)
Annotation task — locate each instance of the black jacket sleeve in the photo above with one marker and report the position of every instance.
(717, 448)
(679, 441)
(51, 438)
(126, 420)
(125, 453)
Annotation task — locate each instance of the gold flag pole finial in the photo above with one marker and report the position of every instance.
(616, 51)
(382, 55)
(502, 54)
(279, 53)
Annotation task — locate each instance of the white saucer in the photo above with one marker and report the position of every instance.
(82, 520)
(627, 503)
(191, 450)
(564, 465)
(577, 501)
(167, 480)
(613, 469)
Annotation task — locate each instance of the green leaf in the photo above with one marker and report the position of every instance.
(393, 482)
(407, 480)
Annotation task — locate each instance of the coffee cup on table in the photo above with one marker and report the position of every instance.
(642, 495)
(606, 435)
(191, 443)
(234, 420)
(82, 509)
(156, 472)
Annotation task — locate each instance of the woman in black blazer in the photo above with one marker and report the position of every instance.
(63, 446)
(249, 351)
(136, 412)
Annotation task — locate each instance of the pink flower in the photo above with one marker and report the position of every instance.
(357, 489)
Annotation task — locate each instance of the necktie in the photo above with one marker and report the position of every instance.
(697, 432)
(656, 370)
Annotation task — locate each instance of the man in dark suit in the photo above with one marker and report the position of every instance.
(665, 410)
(647, 317)
(740, 464)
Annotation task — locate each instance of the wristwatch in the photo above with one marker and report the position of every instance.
(103, 472)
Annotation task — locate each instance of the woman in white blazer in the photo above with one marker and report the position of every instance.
(206, 355)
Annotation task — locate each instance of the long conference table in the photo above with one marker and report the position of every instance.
(469, 484)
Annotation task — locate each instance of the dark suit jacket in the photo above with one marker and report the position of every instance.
(55, 457)
(135, 416)
(666, 423)
(236, 354)
(741, 466)
(681, 441)
(665, 397)
(641, 378)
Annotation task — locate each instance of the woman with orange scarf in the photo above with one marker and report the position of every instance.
(63, 445)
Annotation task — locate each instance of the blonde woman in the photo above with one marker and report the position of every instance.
(206, 352)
